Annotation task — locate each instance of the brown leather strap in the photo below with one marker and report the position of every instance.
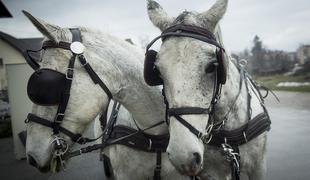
(243, 134)
(52, 44)
(191, 29)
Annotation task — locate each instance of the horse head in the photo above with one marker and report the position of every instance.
(47, 88)
(191, 66)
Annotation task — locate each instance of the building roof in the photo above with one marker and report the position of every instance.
(22, 45)
(305, 46)
(4, 13)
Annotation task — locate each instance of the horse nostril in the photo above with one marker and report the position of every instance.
(197, 158)
(32, 161)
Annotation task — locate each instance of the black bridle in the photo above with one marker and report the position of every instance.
(214, 134)
(204, 35)
(55, 125)
(112, 133)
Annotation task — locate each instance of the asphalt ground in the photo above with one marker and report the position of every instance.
(288, 150)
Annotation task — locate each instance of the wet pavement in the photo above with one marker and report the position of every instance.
(288, 156)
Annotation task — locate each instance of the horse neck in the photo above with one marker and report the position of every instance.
(120, 65)
(229, 92)
(239, 108)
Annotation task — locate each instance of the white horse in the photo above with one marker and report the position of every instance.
(187, 71)
(119, 65)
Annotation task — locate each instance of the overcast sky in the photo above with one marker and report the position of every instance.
(281, 24)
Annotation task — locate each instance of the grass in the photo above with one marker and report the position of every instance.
(272, 81)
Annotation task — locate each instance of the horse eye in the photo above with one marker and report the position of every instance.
(210, 67)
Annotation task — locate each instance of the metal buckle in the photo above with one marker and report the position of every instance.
(56, 118)
(81, 56)
(81, 137)
(150, 145)
(245, 138)
(243, 63)
(60, 142)
(206, 139)
(69, 70)
(26, 121)
(230, 155)
(200, 135)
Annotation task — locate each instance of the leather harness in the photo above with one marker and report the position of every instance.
(138, 139)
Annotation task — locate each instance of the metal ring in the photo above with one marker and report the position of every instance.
(26, 120)
(243, 62)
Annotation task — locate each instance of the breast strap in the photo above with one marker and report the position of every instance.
(243, 134)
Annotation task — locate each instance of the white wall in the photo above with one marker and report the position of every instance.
(20, 105)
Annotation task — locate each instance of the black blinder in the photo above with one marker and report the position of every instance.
(151, 73)
(222, 70)
(46, 86)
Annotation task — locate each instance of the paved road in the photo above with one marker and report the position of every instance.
(288, 154)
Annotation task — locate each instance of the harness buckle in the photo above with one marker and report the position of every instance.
(245, 138)
(61, 147)
(200, 135)
(79, 140)
(26, 121)
(231, 156)
(150, 144)
(56, 118)
(206, 139)
(82, 60)
(69, 74)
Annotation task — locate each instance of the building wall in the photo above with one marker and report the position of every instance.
(303, 53)
(20, 105)
(9, 55)
(16, 72)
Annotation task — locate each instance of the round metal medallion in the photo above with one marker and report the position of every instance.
(77, 47)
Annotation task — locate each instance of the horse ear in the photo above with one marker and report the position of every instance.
(214, 14)
(48, 30)
(158, 16)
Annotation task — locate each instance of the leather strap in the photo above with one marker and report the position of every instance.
(187, 111)
(189, 126)
(94, 76)
(52, 44)
(157, 169)
(76, 36)
(74, 137)
(191, 29)
(243, 134)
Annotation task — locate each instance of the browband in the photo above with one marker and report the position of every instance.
(182, 30)
(52, 44)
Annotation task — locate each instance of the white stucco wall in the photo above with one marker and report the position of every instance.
(15, 73)
(20, 105)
